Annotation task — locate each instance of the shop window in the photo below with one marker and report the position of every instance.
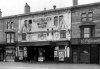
(56, 20)
(23, 36)
(10, 37)
(63, 34)
(61, 19)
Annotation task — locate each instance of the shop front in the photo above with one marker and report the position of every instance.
(43, 52)
(10, 53)
(85, 50)
(2, 50)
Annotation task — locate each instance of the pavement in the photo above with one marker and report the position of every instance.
(24, 65)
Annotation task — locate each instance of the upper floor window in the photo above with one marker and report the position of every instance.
(23, 36)
(84, 16)
(87, 32)
(60, 19)
(87, 16)
(10, 25)
(63, 34)
(90, 16)
(10, 37)
(56, 20)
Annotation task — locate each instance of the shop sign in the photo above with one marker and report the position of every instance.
(42, 19)
(90, 41)
(61, 55)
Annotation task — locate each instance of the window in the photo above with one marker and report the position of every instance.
(87, 16)
(86, 32)
(23, 36)
(47, 32)
(84, 16)
(8, 25)
(56, 20)
(90, 16)
(60, 19)
(10, 37)
(11, 25)
(63, 34)
(30, 25)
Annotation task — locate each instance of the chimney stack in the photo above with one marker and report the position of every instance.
(0, 13)
(27, 8)
(75, 2)
(54, 6)
(44, 9)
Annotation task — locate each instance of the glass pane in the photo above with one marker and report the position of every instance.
(8, 40)
(86, 30)
(12, 35)
(90, 14)
(60, 19)
(56, 20)
(12, 40)
(83, 15)
(86, 35)
(90, 19)
(83, 19)
(8, 36)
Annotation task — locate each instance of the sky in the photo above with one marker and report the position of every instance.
(13, 7)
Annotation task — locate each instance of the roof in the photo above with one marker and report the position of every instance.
(52, 10)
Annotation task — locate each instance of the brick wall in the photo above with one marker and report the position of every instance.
(76, 20)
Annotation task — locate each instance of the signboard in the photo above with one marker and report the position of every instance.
(61, 55)
(90, 41)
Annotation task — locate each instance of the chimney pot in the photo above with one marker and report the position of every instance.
(54, 7)
(44, 9)
(27, 8)
(75, 2)
(0, 13)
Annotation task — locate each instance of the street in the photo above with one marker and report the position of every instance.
(24, 65)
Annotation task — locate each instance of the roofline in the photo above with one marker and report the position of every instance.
(37, 12)
(52, 10)
(85, 5)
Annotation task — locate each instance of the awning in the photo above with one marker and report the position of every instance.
(43, 43)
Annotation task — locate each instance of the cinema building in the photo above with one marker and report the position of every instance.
(44, 36)
(85, 37)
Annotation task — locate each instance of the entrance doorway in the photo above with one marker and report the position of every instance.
(94, 59)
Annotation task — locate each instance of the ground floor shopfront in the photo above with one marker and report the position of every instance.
(85, 51)
(43, 51)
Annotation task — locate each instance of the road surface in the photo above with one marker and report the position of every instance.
(24, 65)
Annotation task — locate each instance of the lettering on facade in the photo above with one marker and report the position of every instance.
(90, 41)
(42, 19)
(42, 36)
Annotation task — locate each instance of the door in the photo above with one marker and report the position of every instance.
(75, 55)
(94, 54)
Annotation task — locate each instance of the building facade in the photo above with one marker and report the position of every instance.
(8, 38)
(44, 36)
(85, 34)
